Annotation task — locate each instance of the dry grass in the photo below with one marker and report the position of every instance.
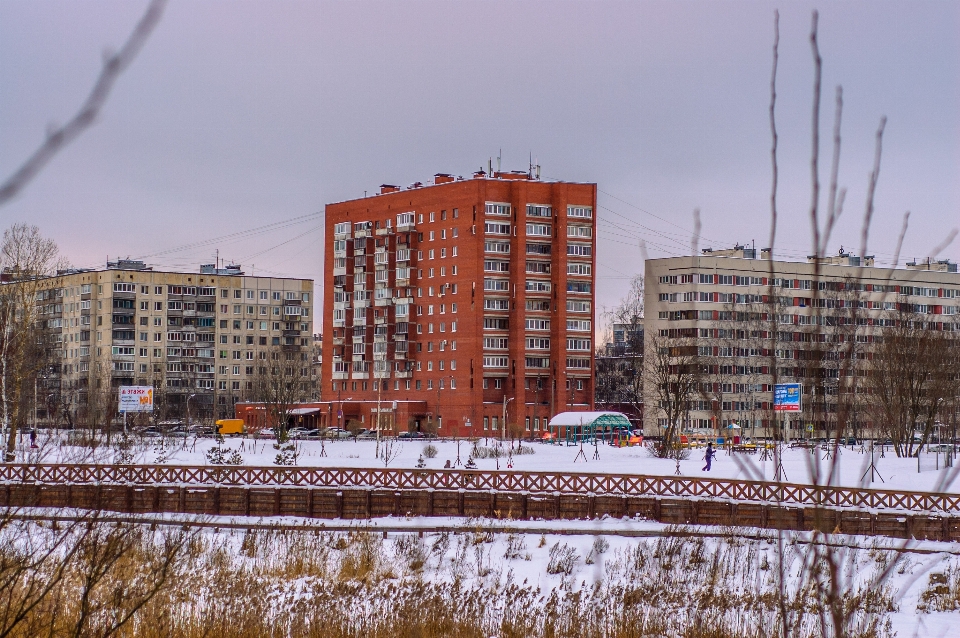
(236, 584)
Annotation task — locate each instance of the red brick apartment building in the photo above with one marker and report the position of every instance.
(449, 305)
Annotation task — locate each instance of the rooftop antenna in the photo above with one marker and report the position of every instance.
(499, 155)
(490, 167)
(538, 169)
(530, 165)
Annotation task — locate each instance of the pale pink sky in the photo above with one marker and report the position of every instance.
(239, 114)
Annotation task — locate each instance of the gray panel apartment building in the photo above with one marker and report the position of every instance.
(202, 336)
(713, 310)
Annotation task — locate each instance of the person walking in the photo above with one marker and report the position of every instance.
(709, 457)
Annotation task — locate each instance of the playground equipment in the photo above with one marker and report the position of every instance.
(574, 428)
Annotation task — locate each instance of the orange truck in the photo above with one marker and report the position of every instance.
(230, 426)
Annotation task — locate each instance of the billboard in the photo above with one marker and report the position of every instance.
(136, 398)
(786, 397)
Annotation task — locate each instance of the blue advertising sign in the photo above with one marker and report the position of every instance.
(786, 397)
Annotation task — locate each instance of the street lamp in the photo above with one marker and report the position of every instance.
(188, 409)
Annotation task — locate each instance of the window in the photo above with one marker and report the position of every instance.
(120, 287)
(578, 306)
(539, 210)
(495, 343)
(579, 286)
(490, 323)
(495, 362)
(536, 285)
(342, 228)
(501, 285)
(496, 304)
(537, 324)
(492, 228)
(490, 265)
(578, 325)
(578, 363)
(538, 267)
(537, 362)
(579, 231)
(493, 208)
(538, 343)
(578, 344)
(537, 248)
(578, 269)
(538, 230)
(582, 212)
(496, 247)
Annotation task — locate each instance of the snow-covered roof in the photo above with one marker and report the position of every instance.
(585, 418)
(302, 411)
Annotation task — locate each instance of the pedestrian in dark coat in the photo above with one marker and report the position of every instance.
(709, 457)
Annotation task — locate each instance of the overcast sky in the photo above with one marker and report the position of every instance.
(241, 114)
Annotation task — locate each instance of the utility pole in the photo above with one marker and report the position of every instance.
(503, 426)
(379, 383)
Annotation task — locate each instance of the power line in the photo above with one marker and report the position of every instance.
(242, 234)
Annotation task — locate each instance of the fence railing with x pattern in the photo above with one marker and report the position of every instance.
(501, 481)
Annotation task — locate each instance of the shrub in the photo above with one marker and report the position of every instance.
(430, 451)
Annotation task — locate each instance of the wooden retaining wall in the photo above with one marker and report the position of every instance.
(362, 503)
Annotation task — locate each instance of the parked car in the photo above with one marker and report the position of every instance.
(411, 435)
(366, 435)
(336, 433)
(265, 433)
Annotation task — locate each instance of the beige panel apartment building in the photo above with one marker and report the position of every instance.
(713, 310)
(198, 336)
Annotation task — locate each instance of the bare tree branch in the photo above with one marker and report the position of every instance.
(815, 154)
(58, 138)
(903, 233)
(872, 188)
(834, 211)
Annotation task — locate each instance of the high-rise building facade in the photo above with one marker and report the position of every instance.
(714, 312)
(460, 307)
(199, 337)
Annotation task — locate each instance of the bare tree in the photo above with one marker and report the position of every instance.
(28, 295)
(673, 372)
(281, 383)
(912, 379)
(620, 369)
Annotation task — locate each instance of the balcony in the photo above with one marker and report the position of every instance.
(403, 375)
(341, 375)
(403, 228)
(338, 341)
(359, 375)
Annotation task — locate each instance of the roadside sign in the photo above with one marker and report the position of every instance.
(136, 398)
(810, 427)
(786, 397)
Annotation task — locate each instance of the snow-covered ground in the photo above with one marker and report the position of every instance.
(527, 554)
(800, 466)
